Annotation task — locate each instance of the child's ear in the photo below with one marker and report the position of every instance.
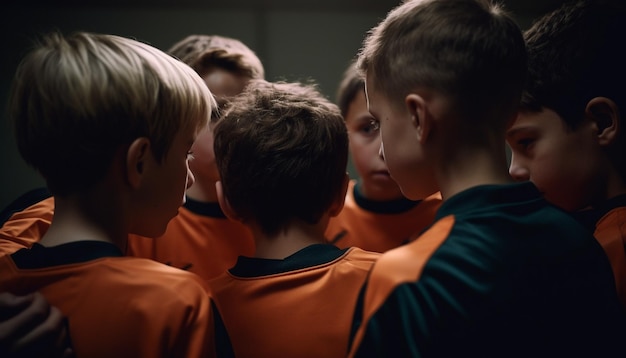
(605, 114)
(418, 111)
(136, 158)
(224, 203)
(337, 206)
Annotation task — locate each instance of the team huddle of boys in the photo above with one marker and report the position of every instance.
(195, 209)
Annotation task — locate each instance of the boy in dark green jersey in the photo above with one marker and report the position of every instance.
(501, 272)
(568, 138)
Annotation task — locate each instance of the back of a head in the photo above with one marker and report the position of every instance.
(471, 51)
(282, 151)
(203, 52)
(351, 83)
(574, 55)
(76, 99)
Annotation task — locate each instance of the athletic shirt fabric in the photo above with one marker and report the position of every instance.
(608, 224)
(300, 306)
(501, 273)
(25, 220)
(380, 226)
(115, 306)
(200, 239)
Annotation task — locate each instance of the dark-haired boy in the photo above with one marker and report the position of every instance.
(568, 138)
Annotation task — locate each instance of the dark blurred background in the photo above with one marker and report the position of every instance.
(295, 39)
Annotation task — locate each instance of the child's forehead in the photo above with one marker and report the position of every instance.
(545, 120)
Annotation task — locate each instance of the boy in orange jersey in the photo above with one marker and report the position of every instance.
(376, 216)
(569, 138)
(194, 238)
(109, 122)
(201, 239)
(282, 151)
(500, 272)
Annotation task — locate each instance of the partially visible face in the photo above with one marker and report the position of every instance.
(376, 183)
(400, 147)
(163, 191)
(561, 162)
(223, 85)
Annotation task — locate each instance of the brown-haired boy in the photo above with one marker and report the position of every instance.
(568, 138)
(282, 151)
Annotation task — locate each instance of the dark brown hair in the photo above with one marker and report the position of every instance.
(281, 150)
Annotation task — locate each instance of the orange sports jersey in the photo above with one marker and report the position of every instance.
(116, 306)
(501, 273)
(200, 239)
(608, 224)
(25, 220)
(380, 226)
(301, 306)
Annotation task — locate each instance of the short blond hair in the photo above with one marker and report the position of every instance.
(76, 99)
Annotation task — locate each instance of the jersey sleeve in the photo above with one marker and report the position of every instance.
(26, 220)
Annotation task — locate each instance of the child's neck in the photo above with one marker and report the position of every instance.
(75, 219)
(291, 239)
(472, 169)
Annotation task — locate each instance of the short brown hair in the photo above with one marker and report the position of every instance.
(471, 51)
(282, 151)
(203, 52)
(351, 83)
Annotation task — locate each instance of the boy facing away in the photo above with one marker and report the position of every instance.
(194, 239)
(376, 216)
(282, 151)
(501, 272)
(109, 122)
(568, 138)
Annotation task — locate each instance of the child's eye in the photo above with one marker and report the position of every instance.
(190, 155)
(525, 142)
(371, 127)
(375, 124)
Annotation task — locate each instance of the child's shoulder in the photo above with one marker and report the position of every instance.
(150, 276)
(364, 257)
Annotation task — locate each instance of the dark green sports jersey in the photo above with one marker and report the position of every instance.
(501, 273)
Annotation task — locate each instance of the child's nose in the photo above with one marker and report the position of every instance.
(517, 170)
